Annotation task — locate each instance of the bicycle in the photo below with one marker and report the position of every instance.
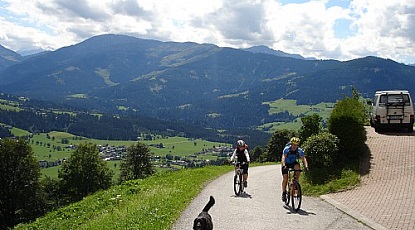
(294, 193)
(238, 185)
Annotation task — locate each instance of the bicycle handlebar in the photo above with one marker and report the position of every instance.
(236, 162)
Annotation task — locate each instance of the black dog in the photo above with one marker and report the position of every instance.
(204, 221)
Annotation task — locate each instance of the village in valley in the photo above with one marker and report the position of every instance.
(117, 153)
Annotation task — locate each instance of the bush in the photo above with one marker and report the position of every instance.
(321, 152)
(346, 122)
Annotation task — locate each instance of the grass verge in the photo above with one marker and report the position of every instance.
(152, 203)
(348, 180)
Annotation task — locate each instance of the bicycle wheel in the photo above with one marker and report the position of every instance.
(237, 183)
(296, 196)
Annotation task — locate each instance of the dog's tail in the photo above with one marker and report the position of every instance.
(209, 204)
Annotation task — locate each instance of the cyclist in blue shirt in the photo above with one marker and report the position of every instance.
(242, 155)
(290, 154)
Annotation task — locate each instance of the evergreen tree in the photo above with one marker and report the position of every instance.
(137, 164)
(19, 183)
(84, 173)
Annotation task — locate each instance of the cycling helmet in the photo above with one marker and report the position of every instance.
(295, 140)
(240, 143)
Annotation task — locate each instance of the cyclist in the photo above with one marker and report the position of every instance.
(242, 155)
(290, 154)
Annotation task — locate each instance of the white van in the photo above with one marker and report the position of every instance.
(392, 108)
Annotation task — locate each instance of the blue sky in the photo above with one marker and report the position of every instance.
(324, 29)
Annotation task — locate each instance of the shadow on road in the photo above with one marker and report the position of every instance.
(300, 212)
(243, 195)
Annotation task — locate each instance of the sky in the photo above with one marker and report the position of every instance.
(323, 29)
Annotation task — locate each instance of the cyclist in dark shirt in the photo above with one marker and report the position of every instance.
(242, 155)
(290, 154)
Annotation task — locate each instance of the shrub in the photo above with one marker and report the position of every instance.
(346, 122)
(321, 152)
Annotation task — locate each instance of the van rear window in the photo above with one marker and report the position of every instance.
(394, 99)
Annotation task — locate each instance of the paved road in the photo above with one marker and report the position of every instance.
(261, 207)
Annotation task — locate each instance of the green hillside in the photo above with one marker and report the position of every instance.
(153, 203)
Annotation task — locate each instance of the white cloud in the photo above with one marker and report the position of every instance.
(385, 28)
(380, 28)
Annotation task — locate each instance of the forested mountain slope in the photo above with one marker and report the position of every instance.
(203, 84)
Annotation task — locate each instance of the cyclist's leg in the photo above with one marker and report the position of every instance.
(245, 177)
(284, 172)
(297, 167)
(284, 182)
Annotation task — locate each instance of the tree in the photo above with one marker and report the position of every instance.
(137, 164)
(256, 153)
(19, 183)
(311, 126)
(169, 157)
(84, 173)
(276, 144)
(50, 188)
(5, 132)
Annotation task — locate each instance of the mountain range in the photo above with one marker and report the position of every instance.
(217, 87)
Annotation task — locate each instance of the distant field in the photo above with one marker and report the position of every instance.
(281, 105)
(19, 132)
(10, 105)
